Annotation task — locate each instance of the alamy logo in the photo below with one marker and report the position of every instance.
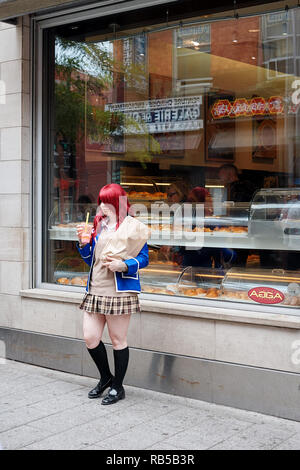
(2, 92)
(296, 94)
(295, 358)
(2, 352)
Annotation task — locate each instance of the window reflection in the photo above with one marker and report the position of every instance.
(206, 115)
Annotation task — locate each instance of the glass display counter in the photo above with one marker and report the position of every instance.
(241, 225)
(62, 223)
(265, 286)
(190, 281)
(277, 212)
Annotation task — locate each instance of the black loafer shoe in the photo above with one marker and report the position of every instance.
(99, 389)
(113, 396)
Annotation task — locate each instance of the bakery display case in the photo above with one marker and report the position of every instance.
(160, 278)
(275, 287)
(170, 279)
(200, 282)
(63, 221)
(189, 225)
(276, 211)
(233, 225)
(71, 271)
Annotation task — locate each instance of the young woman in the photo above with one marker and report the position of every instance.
(116, 251)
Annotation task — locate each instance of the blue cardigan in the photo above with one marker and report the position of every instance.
(125, 282)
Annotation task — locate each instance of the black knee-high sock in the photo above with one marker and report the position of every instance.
(99, 356)
(121, 358)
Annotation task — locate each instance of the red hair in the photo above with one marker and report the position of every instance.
(115, 195)
(198, 194)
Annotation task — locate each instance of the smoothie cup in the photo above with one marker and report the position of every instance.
(86, 236)
(86, 233)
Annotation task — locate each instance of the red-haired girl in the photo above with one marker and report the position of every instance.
(116, 251)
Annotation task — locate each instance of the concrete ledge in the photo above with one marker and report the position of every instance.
(182, 309)
(257, 389)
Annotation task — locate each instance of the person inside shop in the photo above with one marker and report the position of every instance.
(177, 193)
(115, 250)
(236, 190)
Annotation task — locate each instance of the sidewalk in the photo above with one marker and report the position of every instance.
(45, 409)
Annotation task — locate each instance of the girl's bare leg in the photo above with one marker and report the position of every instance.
(117, 328)
(93, 326)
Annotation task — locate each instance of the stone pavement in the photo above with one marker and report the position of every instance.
(45, 409)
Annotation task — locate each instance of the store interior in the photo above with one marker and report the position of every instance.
(200, 115)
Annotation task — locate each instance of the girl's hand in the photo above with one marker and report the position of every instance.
(80, 230)
(115, 265)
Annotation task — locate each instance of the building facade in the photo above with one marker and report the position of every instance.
(196, 114)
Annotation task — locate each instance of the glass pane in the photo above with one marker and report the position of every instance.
(199, 123)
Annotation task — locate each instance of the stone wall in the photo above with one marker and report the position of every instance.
(15, 155)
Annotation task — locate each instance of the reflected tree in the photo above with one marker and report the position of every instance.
(84, 75)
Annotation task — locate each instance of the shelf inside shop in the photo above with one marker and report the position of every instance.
(208, 239)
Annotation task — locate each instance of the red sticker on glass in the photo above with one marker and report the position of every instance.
(265, 295)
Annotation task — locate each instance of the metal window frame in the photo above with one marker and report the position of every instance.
(38, 25)
(109, 7)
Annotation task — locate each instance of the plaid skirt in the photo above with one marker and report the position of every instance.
(110, 305)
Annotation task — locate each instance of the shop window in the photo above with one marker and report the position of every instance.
(198, 124)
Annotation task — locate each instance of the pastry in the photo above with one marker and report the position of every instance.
(293, 301)
(245, 296)
(200, 291)
(148, 289)
(239, 229)
(63, 280)
(160, 195)
(191, 292)
(77, 281)
(160, 290)
(212, 293)
(167, 291)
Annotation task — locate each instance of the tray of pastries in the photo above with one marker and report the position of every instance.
(209, 293)
(149, 289)
(72, 280)
(216, 231)
(142, 195)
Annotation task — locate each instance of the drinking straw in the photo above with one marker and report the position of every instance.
(86, 222)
